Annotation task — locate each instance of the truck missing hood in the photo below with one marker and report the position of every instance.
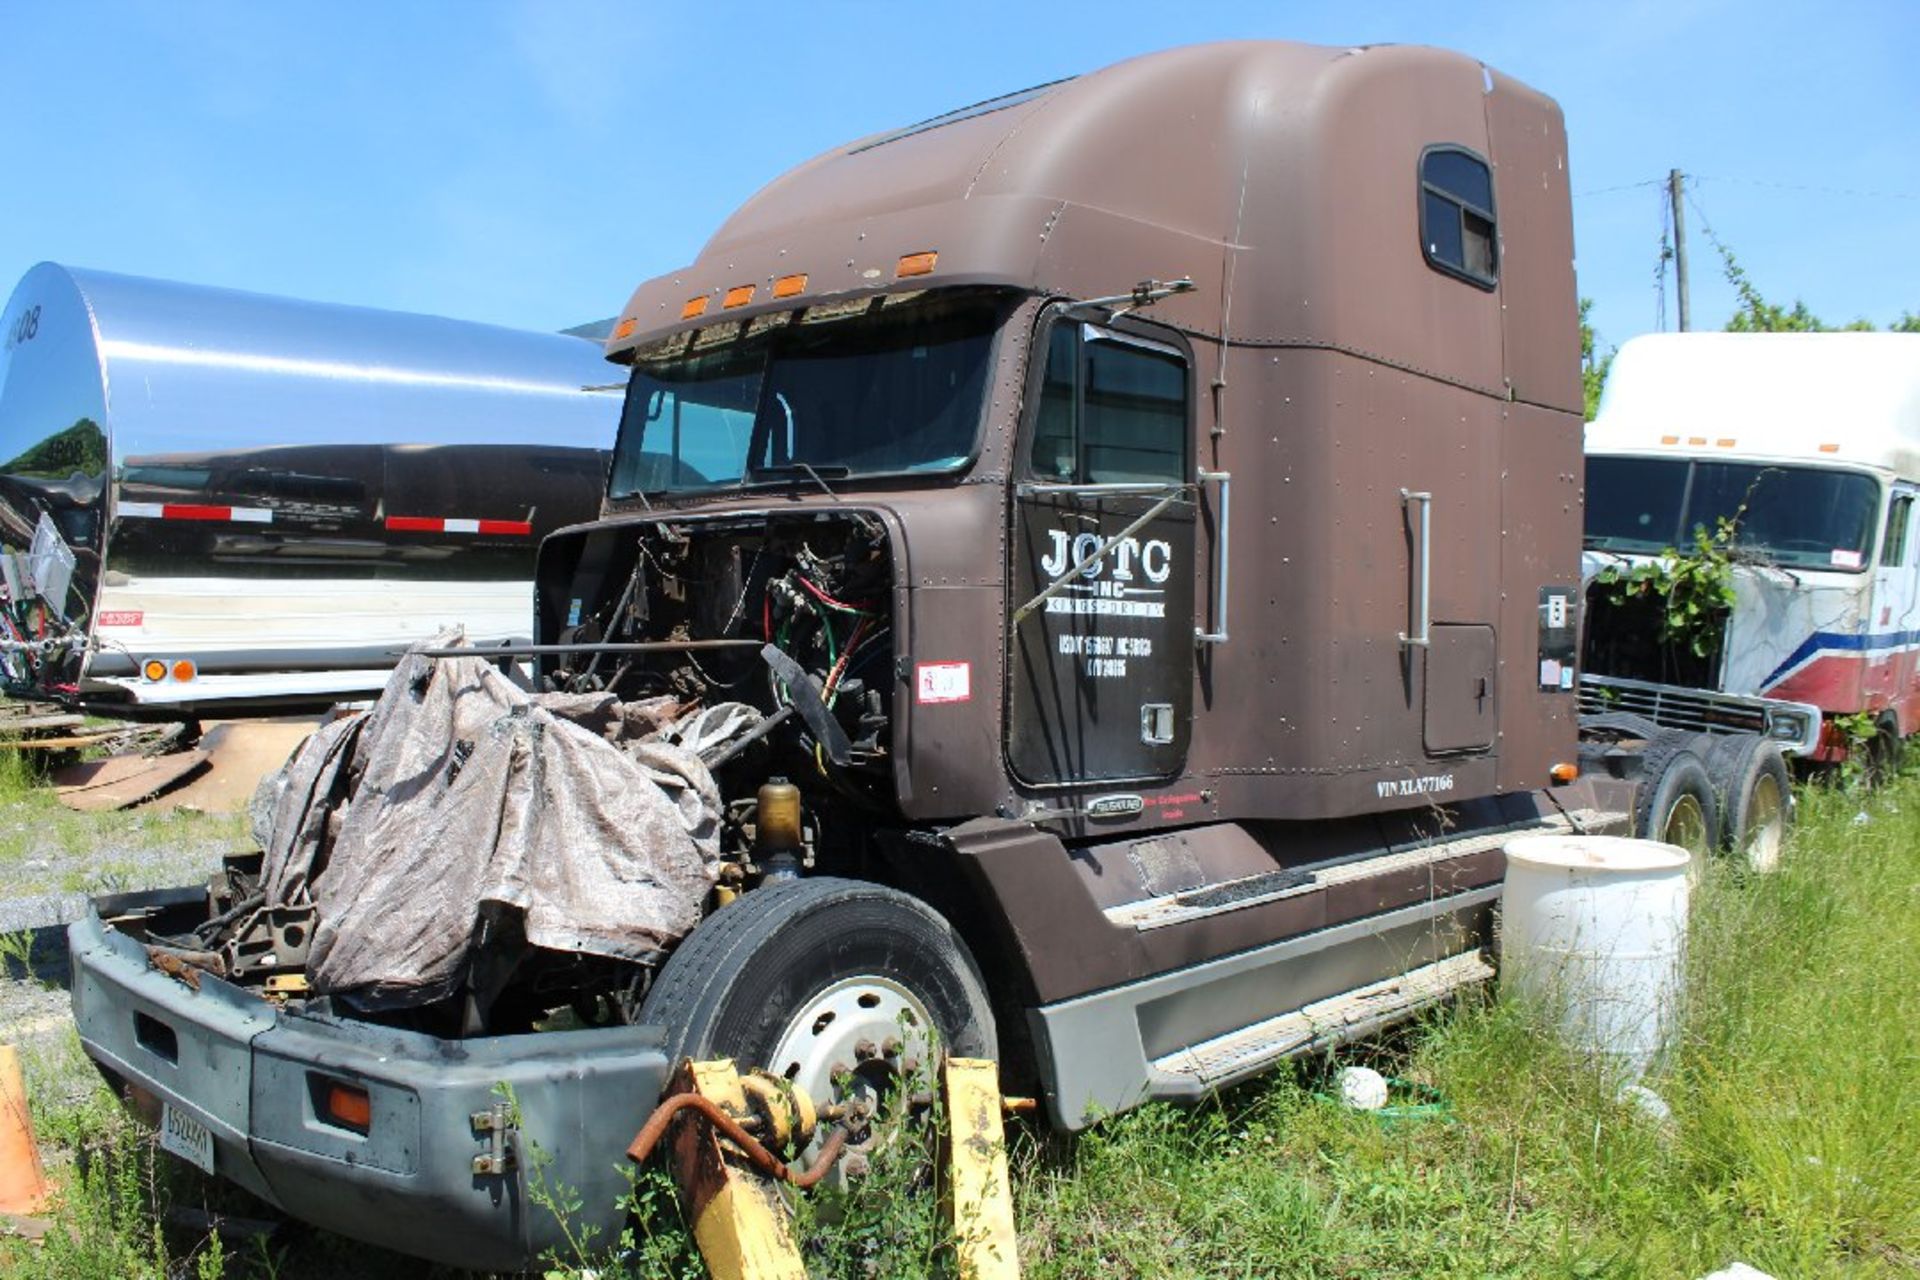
(1062, 753)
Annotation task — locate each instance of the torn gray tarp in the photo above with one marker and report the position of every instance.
(458, 795)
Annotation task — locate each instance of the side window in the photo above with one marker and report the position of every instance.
(1893, 550)
(1456, 215)
(1113, 410)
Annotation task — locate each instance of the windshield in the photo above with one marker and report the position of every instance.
(883, 386)
(1795, 517)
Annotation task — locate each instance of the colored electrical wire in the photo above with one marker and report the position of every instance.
(826, 599)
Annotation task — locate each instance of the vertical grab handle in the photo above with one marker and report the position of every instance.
(1420, 604)
(1222, 559)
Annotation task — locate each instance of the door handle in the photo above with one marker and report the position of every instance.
(1419, 604)
(1222, 558)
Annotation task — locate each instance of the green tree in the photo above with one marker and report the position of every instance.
(1757, 315)
(1593, 365)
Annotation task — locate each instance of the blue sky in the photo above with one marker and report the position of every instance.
(528, 164)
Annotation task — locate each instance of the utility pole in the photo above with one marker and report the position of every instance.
(1679, 247)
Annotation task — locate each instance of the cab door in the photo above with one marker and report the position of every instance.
(1891, 676)
(1101, 626)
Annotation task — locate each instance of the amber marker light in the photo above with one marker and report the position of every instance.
(1829, 448)
(787, 286)
(1696, 439)
(184, 670)
(916, 264)
(694, 307)
(738, 296)
(1563, 773)
(348, 1107)
(626, 327)
(154, 669)
(1725, 442)
(1669, 439)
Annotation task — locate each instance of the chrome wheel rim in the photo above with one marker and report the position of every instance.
(1686, 826)
(854, 1042)
(1766, 824)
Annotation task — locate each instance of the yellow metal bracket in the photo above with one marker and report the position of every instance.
(739, 1220)
(978, 1193)
(729, 1179)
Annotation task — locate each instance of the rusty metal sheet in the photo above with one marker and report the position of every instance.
(239, 754)
(120, 782)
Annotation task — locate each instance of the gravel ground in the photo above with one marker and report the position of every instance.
(52, 860)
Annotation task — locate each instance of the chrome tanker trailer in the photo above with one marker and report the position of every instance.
(215, 498)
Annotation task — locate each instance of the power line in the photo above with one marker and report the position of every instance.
(1803, 188)
(1811, 188)
(1625, 186)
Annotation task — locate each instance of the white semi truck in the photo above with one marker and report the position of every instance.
(1808, 447)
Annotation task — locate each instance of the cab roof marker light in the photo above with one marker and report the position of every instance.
(1669, 439)
(916, 264)
(1696, 439)
(738, 296)
(694, 307)
(625, 328)
(1725, 442)
(788, 286)
(1829, 448)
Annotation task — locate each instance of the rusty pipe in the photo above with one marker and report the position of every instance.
(757, 1155)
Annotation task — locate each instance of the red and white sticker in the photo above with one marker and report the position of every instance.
(122, 617)
(437, 524)
(193, 511)
(943, 681)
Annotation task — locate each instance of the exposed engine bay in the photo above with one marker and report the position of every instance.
(711, 711)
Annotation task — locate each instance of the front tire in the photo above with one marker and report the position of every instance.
(841, 986)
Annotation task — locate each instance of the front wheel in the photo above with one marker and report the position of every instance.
(840, 986)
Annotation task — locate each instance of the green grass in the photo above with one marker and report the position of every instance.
(1794, 1143)
(46, 847)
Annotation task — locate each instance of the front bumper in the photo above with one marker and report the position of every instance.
(254, 1075)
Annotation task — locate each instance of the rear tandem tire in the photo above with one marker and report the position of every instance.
(1675, 804)
(1755, 789)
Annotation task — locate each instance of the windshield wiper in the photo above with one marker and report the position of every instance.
(798, 469)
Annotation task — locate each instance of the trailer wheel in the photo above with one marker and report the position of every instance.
(1676, 803)
(841, 986)
(1886, 751)
(1755, 790)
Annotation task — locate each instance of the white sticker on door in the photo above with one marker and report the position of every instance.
(943, 681)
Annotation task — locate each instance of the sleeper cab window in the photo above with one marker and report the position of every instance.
(1456, 215)
(1113, 409)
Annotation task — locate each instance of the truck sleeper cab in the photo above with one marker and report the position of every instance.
(1065, 755)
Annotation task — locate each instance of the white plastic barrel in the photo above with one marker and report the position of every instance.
(1595, 929)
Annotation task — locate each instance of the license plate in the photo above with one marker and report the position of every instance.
(186, 1137)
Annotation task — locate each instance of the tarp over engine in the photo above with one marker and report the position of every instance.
(459, 798)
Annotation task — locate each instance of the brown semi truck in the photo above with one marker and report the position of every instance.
(1142, 516)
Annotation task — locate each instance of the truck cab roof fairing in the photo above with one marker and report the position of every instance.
(1270, 157)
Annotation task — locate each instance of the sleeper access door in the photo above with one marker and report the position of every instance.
(1101, 629)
